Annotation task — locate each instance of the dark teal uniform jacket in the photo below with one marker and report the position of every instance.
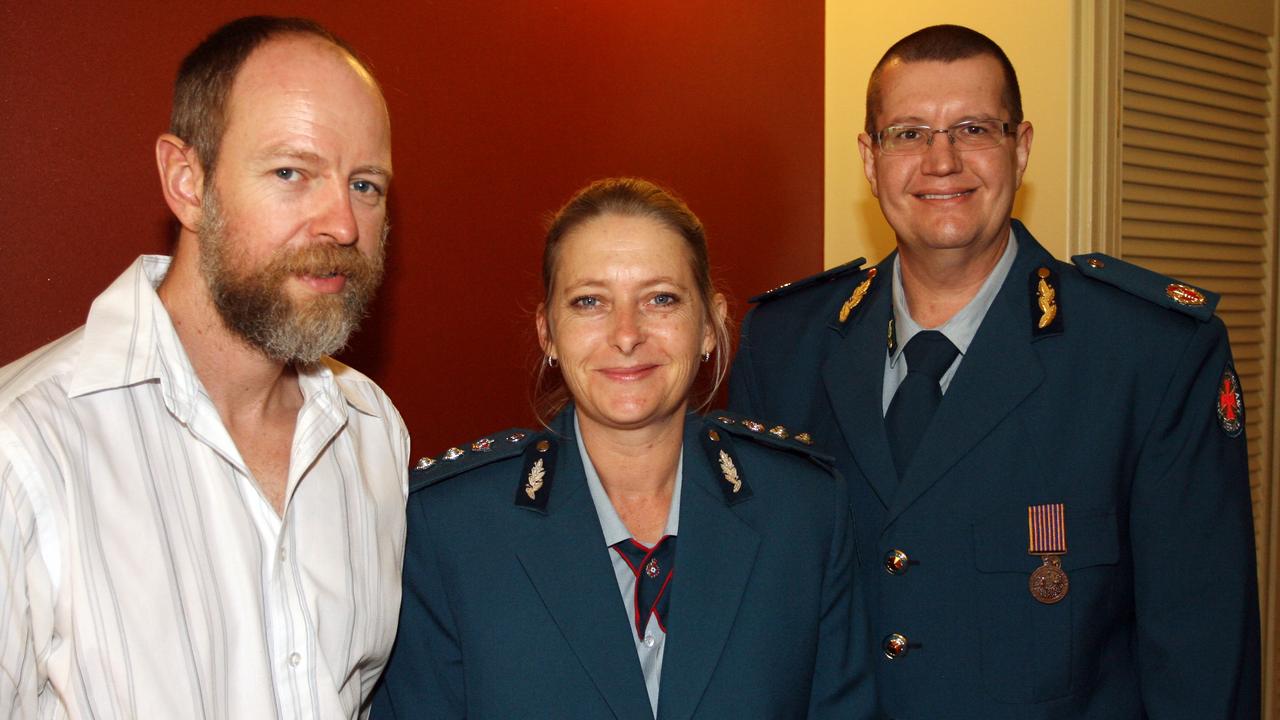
(511, 608)
(1122, 408)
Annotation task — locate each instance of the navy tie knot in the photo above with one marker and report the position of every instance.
(931, 353)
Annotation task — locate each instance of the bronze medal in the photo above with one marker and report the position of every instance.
(1049, 583)
(1047, 531)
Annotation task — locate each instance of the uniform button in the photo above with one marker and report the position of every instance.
(649, 641)
(895, 646)
(294, 659)
(895, 562)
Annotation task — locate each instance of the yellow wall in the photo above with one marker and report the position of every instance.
(1036, 35)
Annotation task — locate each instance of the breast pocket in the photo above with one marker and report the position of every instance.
(1033, 651)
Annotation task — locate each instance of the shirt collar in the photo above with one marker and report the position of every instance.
(615, 531)
(341, 384)
(962, 326)
(129, 338)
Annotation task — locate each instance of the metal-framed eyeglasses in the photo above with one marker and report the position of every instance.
(916, 139)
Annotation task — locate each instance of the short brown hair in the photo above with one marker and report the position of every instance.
(944, 43)
(631, 197)
(206, 75)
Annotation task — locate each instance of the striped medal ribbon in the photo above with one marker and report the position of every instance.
(1047, 532)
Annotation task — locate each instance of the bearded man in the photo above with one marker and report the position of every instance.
(201, 514)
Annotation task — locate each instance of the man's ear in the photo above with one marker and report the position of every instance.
(181, 179)
(1022, 149)
(868, 153)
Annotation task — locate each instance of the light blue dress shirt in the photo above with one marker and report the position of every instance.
(960, 329)
(650, 647)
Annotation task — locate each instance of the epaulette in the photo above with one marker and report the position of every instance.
(718, 435)
(456, 460)
(811, 281)
(1151, 286)
(772, 435)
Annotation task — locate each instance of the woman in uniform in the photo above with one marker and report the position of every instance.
(631, 559)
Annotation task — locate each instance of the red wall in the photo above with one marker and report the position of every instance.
(500, 110)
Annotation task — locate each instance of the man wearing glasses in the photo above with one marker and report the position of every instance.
(1047, 460)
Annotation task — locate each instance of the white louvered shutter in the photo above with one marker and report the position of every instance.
(1194, 188)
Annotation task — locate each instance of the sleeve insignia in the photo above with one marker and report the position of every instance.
(1230, 403)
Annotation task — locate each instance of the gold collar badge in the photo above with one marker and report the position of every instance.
(1045, 295)
(859, 293)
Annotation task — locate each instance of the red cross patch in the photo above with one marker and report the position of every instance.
(1230, 403)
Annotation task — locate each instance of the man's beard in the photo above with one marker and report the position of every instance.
(255, 304)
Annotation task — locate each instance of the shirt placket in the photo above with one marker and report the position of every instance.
(295, 644)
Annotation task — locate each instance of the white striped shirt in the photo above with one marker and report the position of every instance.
(142, 572)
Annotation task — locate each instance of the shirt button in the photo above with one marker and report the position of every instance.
(649, 641)
(294, 659)
(283, 554)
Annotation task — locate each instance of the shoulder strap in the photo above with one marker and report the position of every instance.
(457, 460)
(1151, 286)
(813, 280)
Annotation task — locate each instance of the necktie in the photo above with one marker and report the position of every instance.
(929, 354)
(653, 568)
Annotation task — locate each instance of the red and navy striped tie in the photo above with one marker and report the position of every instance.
(653, 567)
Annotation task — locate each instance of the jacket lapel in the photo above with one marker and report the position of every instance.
(1000, 370)
(566, 560)
(854, 378)
(714, 557)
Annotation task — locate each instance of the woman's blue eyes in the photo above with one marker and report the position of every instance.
(287, 174)
(591, 301)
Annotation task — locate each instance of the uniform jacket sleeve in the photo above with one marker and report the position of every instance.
(424, 677)
(843, 685)
(1195, 585)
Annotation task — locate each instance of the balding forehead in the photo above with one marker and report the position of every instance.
(273, 58)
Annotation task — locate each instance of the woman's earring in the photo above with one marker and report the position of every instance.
(551, 361)
(706, 356)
